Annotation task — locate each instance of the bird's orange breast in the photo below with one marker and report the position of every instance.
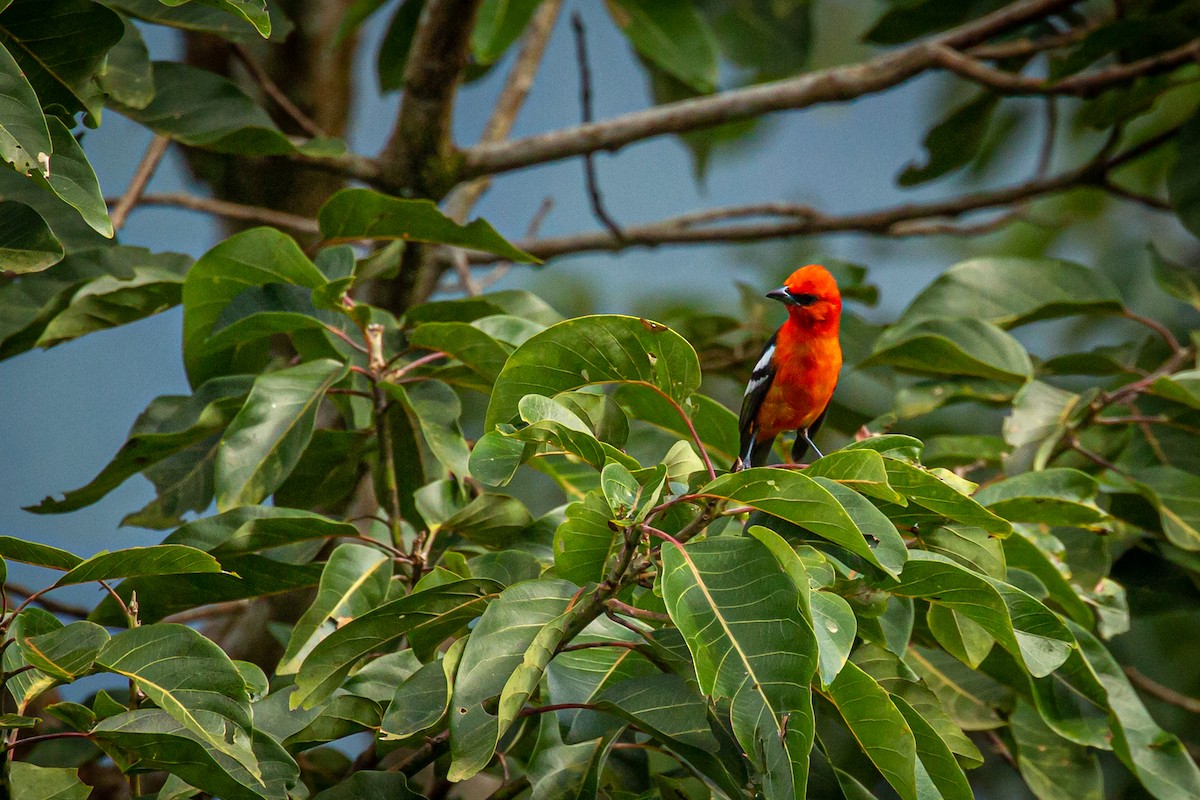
(806, 372)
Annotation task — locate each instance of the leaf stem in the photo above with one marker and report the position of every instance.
(708, 465)
(637, 613)
(44, 737)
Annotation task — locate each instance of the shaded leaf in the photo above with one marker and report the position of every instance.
(878, 727)
(925, 490)
(161, 559)
(673, 35)
(65, 653)
(72, 178)
(23, 132)
(31, 782)
(954, 346)
(127, 75)
(498, 24)
(955, 141)
(1051, 497)
(26, 241)
(1051, 765)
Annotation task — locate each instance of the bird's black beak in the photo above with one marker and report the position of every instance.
(782, 295)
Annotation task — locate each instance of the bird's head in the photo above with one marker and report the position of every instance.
(811, 296)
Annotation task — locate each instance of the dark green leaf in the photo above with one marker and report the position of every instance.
(465, 342)
(42, 555)
(23, 132)
(264, 441)
(1176, 496)
(566, 771)
(65, 653)
(504, 657)
(820, 505)
(421, 701)
(970, 698)
(925, 490)
(1052, 766)
(834, 623)
(1036, 425)
(955, 141)
(1183, 184)
(393, 50)
(356, 214)
(31, 782)
(199, 108)
(367, 785)
(344, 715)
(936, 760)
(878, 726)
(773, 39)
(584, 544)
(127, 76)
(70, 176)
(1182, 387)
(26, 242)
(61, 60)
(1051, 497)
(740, 614)
(355, 580)
(498, 24)
(1177, 280)
(905, 21)
(673, 35)
(161, 559)
(15, 721)
(953, 346)
(206, 17)
(1023, 553)
(253, 11)
(437, 409)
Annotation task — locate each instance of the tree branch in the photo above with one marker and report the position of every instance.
(418, 153)
(1087, 84)
(828, 85)
(230, 210)
(908, 219)
(137, 184)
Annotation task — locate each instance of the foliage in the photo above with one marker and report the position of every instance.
(576, 598)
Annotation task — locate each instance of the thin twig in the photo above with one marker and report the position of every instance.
(636, 613)
(230, 210)
(137, 184)
(1164, 693)
(51, 605)
(1157, 327)
(585, 105)
(273, 91)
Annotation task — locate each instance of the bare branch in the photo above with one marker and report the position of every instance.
(1017, 48)
(145, 171)
(823, 86)
(1164, 693)
(508, 105)
(231, 210)
(585, 103)
(418, 153)
(273, 91)
(1087, 84)
(789, 220)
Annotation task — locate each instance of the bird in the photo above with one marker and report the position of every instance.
(794, 378)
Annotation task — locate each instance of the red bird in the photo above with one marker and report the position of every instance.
(794, 378)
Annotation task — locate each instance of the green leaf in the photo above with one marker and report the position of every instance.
(925, 490)
(1175, 494)
(820, 505)
(966, 640)
(1052, 766)
(953, 346)
(253, 11)
(663, 705)
(492, 520)
(253, 258)
(1022, 625)
(590, 350)
(169, 425)
(72, 178)
(161, 559)
(740, 615)
(955, 141)
(36, 553)
(835, 625)
(190, 678)
(250, 529)
(344, 715)
(772, 39)
(61, 60)
(566, 771)
(205, 17)
(673, 35)
(266, 438)
(1023, 553)
(437, 409)
(970, 698)
(355, 580)
(584, 544)
(26, 241)
(878, 727)
(199, 108)
(522, 622)
(861, 470)
(1183, 183)
(1037, 423)
(465, 342)
(31, 782)
(1008, 292)
(23, 132)
(151, 739)
(715, 424)
(1182, 387)
(15, 721)
(439, 609)
(936, 759)
(397, 41)
(127, 76)
(355, 214)
(902, 22)
(65, 653)
(420, 703)
(26, 685)
(956, 451)
(368, 785)
(1051, 497)
(969, 546)
(498, 24)
(1177, 280)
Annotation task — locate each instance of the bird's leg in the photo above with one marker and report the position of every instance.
(802, 444)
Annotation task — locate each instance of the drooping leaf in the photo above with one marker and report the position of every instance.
(1036, 425)
(924, 490)
(437, 409)
(254, 12)
(61, 60)
(23, 132)
(1175, 494)
(1051, 497)
(127, 76)
(494, 662)
(26, 242)
(591, 350)
(344, 715)
(421, 701)
(740, 615)
(71, 177)
(561, 771)
(169, 425)
(441, 609)
(1052, 766)
(1177, 280)
(954, 346)
(161, 559)
(878, 727)
(820, 505)
(935, 758)
(673, 35)
(65, 653)
(465, 342)
(356, 214)
(264, 441)
(354, 581)
(397, 41)
(36, 553)
(955, 141)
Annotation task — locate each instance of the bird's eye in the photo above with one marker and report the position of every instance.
(804, 299)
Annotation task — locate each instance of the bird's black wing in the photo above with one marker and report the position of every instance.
(756, 391)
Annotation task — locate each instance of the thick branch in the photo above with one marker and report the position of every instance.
(823, 86)
(418, 153)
